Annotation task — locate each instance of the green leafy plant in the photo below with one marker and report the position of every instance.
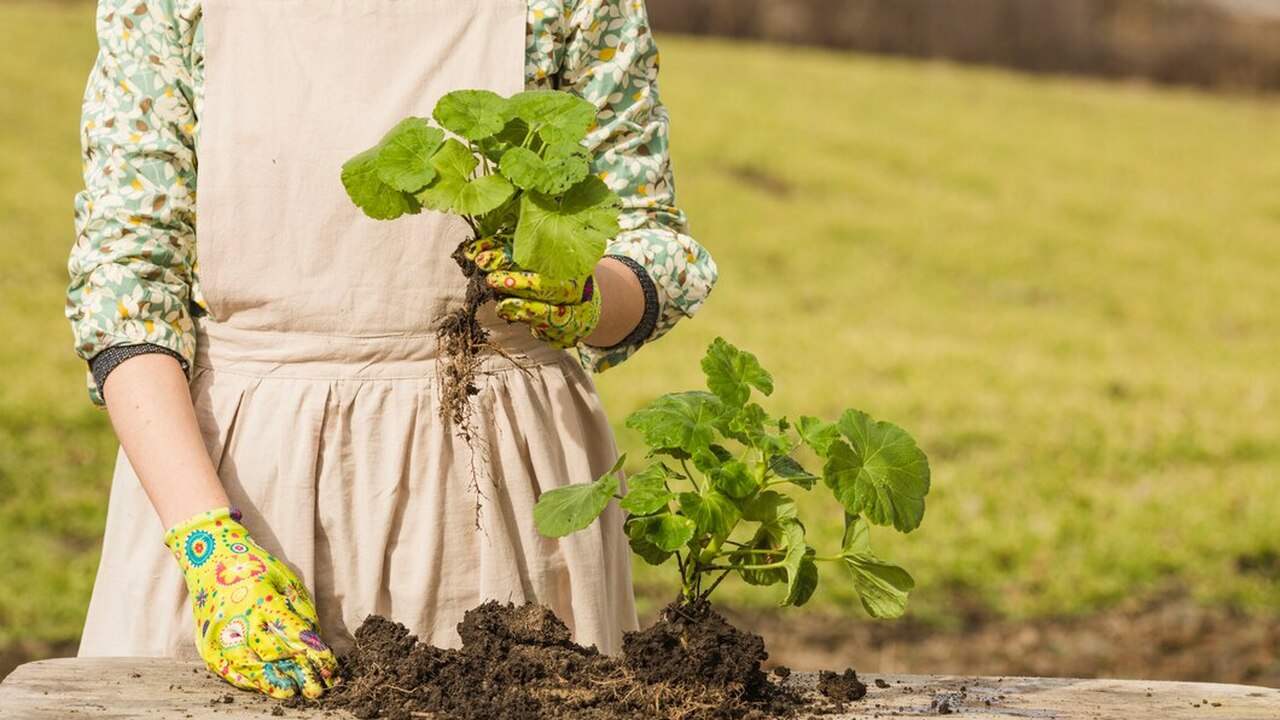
(517, 171)
(714, 495)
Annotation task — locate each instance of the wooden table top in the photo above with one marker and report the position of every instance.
(168, 689)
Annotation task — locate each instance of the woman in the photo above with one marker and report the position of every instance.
(270, 371)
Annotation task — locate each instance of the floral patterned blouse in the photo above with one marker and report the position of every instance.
(133, 266)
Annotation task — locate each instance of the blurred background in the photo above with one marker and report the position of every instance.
(1041, 235)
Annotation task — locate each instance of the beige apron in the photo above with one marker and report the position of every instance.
(314, 381)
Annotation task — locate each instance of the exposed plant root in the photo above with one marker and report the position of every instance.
(463, 344)
(462, 340)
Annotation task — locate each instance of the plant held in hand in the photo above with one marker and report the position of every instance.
(517, 171)
(715, 498)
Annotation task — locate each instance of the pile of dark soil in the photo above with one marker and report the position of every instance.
(519, 663)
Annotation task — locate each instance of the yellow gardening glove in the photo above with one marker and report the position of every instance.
(256, 624)
(559, 312)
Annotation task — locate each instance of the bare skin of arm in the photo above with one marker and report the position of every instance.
(149, 403)
(621, 303)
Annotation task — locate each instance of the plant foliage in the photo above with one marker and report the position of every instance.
(515, 168)
(714, 495)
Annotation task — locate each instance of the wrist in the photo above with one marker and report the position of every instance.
(192, 541)
(643, 307)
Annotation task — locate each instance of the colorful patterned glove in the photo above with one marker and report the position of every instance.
(256, 624)
(560, 312)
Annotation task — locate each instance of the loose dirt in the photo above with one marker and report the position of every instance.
(519, 663)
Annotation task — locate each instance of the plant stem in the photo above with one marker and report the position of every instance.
(723, 575)
(770, 566)
(688, 474)
(778, 481)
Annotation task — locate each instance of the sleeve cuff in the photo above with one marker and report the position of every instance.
(109, 359)
(649, 320)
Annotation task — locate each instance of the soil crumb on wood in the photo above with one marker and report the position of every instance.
(841, 687)
(519, 663)
(946, 703)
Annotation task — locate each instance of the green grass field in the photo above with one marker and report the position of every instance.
(1066, 290)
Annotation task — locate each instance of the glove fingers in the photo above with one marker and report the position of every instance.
(483, 246)
(532, 286)
(553, 324)
(290, 676)
(268, 639)
(494, 260)
(298, 601)
(280, 678)
(284, 677)
(315, 679)
(530, 312)
(241, 666)
(304, 643)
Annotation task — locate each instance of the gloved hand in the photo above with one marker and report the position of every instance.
(560, 313)
(256, 624)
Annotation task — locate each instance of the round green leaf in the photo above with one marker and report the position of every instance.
(881, 587)
(767, 537)
(731, 373)
(769, 507)
(558, 116)
(565, 238)
(483, 195)
(734, 479)
(817, 434)
(714, 513)
(786, 467)
(647, 492)
(553, 175)
(711, 457)
(404, 155)
(377, 199)
(678, 420)
(878, 473)
(802, 581)
(802, 572)
(636, 528)
(472, 114)
(669, 532)
(568, 509)
(454, 190)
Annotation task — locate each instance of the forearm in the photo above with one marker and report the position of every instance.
(621, 303)
(149, 402)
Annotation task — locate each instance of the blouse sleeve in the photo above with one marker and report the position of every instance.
(610, 58)
(132, 263)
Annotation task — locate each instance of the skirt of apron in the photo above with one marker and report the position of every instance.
(345, 471)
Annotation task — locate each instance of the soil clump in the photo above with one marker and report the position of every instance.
(841, 687)
(520, 663)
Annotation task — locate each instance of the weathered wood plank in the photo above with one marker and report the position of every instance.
(165, 689)
(1001, 698)
(100, 688)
